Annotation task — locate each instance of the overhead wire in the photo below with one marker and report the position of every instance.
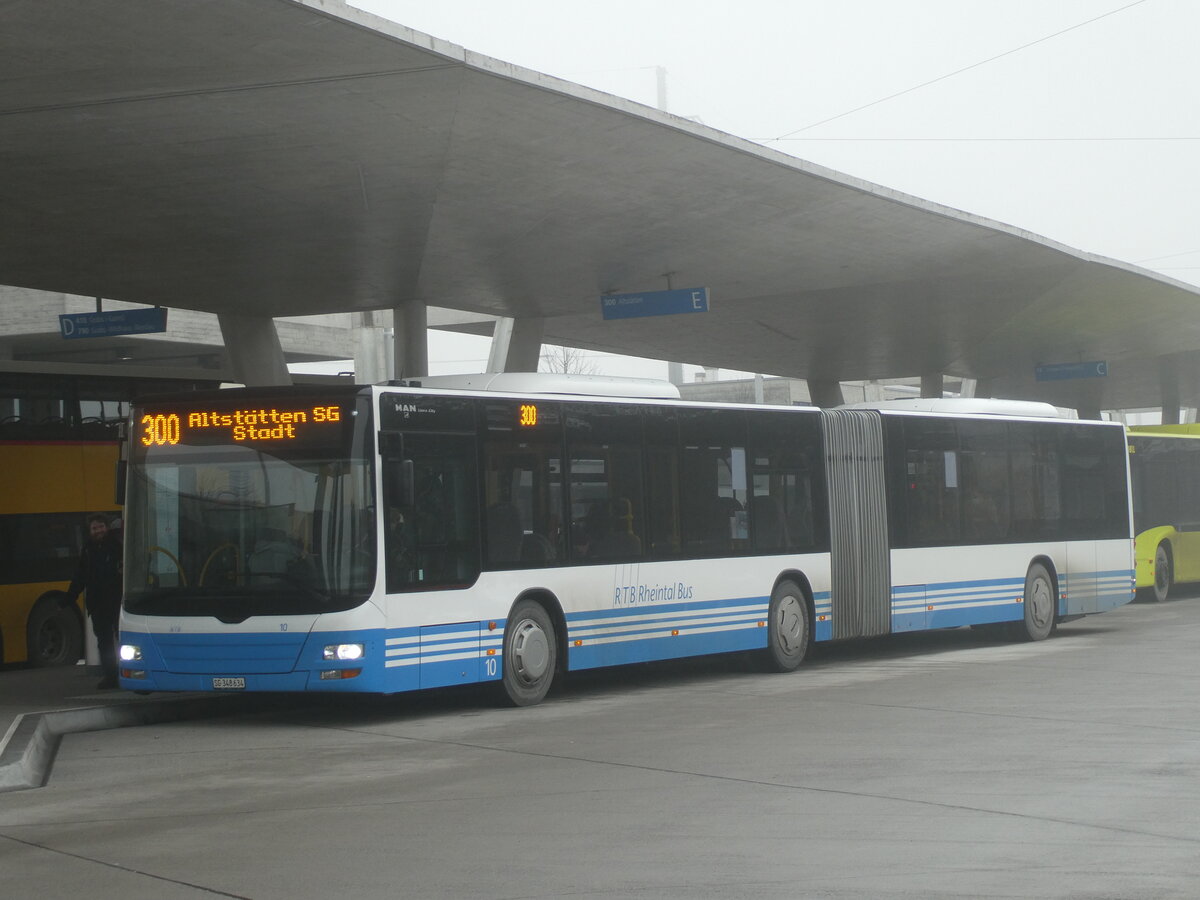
(976, 65)
(969, 140)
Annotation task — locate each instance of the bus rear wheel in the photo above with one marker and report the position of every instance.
(788, 633)
(1164, 577)
(54, 634)
(1039, 606)
(530, 654)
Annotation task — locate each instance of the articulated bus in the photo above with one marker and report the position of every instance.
(1164, 464)
(390, 539)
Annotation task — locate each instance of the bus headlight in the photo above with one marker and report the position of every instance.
(130, 652)
(345, 651)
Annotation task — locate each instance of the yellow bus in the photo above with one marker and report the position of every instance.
(1164, 465)
(58, 452)
(47, 488)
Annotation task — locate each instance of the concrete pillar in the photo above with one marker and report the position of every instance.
(516, 345)
(758, 390)
(498, 352)
(254, 350)
(410, 326)
(931, 385)
(1088, 412)
(825, 394)
(371, 352)
(967, 388)
(675, 373)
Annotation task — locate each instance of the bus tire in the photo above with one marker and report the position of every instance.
(1164, 573)
(1039, 606)
(788, 628)
(530, 654)
(53, 634)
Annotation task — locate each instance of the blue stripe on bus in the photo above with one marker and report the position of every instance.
(956, 603)
(653, 608)
(642, 633)
(950, 585)
(403, 659)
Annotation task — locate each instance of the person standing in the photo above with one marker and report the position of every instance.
(98, 575)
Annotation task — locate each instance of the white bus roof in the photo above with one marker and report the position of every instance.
(549, 383)
(964, 406)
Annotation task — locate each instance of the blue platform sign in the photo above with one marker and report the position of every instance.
(654, 303)
(1067, 371)
(113, 323)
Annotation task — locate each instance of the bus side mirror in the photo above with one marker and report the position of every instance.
(119, 482)
(399, 480)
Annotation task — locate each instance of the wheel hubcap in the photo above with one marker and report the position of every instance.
(531, 652)
(49, 642)
(790, 626)
(1041, 603)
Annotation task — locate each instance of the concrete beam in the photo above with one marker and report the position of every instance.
(254, 350)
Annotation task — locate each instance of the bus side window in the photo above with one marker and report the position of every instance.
(660, 432)
(523, 486)
(984, 473)
(714, 482)
(785, 450)
(604, 466)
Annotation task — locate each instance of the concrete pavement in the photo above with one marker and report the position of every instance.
(39, 706)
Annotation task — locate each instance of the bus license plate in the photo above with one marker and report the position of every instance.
(229, 684)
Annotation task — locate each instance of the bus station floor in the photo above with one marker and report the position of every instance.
(39, 706)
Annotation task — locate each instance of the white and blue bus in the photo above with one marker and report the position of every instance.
(388, 539)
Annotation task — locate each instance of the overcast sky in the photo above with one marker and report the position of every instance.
(1075, 119)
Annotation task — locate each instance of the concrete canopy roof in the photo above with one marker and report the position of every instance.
(287, 157)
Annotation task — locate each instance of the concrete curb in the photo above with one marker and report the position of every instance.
(28, 749)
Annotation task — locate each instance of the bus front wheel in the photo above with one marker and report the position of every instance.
(1039, 606)
(54, 634)
(530, 654)
(788, 634)
(1164, 578)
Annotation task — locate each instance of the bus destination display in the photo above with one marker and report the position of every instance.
(240, 425)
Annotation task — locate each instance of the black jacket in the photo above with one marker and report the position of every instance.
(99, 574)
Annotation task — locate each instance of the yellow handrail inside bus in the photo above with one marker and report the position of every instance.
(174, 559)
(237, 569)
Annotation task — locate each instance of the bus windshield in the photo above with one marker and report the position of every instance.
(225, 524)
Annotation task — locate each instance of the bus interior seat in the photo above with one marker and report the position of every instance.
(537, 548)
(618, 540)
